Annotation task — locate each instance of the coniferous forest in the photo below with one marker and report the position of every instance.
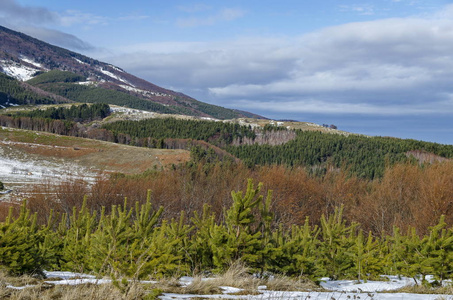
(317, 205)
(137, 240)
(365, 157)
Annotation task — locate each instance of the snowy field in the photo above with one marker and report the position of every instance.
(337, 290)
(15, 171)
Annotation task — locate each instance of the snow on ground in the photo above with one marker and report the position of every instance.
(110, 74)
(274, 295)
(338, 292)
(116, 68)
(143, 92)
(69, 278)
(79, 61)
(17, 70)
(85, 82)
(32, 62)
(26, 169)
(353, 285)
(133, 114)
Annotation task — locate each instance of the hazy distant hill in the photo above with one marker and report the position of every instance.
(24, 58)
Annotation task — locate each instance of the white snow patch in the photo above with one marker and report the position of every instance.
(116, 68)
(32, 62)
(85, 82)
(66, 275)
(79, 61)
(393, 283)
(230, 289)
(70, 278)
(110, 74)
(143, 92)
(133, 114)
(17, 70)
(210, 119)
(26, 169)
(274, 295)
(18, 287)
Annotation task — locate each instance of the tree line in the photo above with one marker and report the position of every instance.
(76, 113)
(14, 92)
(366, 157)
(135, 241)
(406, 196)
(217, 133)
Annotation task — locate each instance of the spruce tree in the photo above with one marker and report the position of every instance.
(335, 253)
(438, 251)
(19, 244)
(77, 238)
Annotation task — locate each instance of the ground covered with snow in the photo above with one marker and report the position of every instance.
(24, 169)
(335, 290)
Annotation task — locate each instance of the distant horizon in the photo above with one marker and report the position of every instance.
(379, 69)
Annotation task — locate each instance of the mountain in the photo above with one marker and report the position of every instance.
(42, 68)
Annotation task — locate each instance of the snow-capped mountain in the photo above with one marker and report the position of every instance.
(24, 57)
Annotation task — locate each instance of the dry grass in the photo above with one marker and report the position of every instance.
(68, 292)
(47, 291)
(237, 276)
(422, 289)
(282, 283)
(202, 287)
(25, 280)
(27, 287)
(98, 155)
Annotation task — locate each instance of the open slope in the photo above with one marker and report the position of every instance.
(24, 57)
(28, 157)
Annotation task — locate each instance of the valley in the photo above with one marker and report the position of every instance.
(106, 175)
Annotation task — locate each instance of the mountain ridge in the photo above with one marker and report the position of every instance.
(24, 57)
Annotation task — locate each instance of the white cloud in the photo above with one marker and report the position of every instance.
(389, 66)
(366, 9)
(71, 17)
(13, 12)
(225, 15)
(30, 19)
(194, 8)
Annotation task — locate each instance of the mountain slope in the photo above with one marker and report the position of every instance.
(24, 57)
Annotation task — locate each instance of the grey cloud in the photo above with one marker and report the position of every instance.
(14, 12)
(225, 15)
(58, 38)
(392, 66)
(30, 20)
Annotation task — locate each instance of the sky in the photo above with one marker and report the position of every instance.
(382, 67)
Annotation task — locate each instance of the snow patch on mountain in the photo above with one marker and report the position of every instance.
(85, 82)
(25, 168)
(143, 92)
(116, 68)
(110, 74)
(79, 61)
(133, 114)
(17, 70)
(32, 62)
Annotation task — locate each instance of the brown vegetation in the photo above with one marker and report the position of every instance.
(96, 155)
(407, 195)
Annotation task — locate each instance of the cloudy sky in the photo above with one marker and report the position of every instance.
(382, 67)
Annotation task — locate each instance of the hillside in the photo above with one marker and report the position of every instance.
(28, 157)
(259, 142)
(23, 57)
